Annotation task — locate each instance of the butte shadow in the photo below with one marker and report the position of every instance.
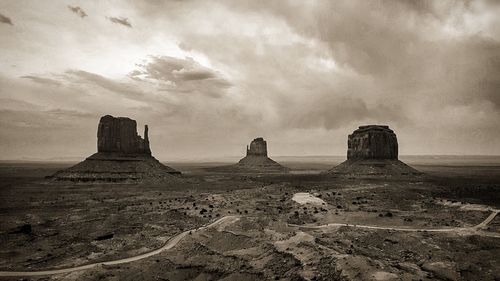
(256, 161)
(372, 151)
(122, 156)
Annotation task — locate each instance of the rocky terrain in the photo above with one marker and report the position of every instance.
(267, 226)
(122, 215)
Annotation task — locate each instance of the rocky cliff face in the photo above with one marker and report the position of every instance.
(119, 135)
(372, 142)
(372, 151)
(122, 156)
(258, 147)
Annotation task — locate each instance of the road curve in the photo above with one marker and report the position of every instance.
(231, 219)
(169, 245)
(451, 229)
(483, 224)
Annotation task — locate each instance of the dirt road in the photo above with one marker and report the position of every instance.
(220, 223)
(169, 245)
(475, 229)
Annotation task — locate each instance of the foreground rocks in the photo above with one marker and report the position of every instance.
(122, 156)
(372, 150)
(255, 161)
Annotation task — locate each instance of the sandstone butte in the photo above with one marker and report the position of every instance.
(255, 161)
(122, 156)
(372, 150)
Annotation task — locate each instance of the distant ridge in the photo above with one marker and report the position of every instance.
(409, 158)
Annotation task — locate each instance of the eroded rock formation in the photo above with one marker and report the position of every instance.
(258, 147)
(255, 161)
(122, 156)
(372, 142)
(372, 150)
(119, 135)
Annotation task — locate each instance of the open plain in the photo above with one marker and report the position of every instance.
(299, 226)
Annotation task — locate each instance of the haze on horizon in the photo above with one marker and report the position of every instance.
(209, 76)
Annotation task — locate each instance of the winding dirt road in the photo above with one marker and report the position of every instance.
(169, 245)
(474, 229)
(220, 223)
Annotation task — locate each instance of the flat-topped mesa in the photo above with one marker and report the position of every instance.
(119, 135)
(258, 147)
(372, 142)
(372, 151)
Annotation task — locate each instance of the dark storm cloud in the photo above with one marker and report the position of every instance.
(77, 10)
(491, 92)
(50, 130)
(80, 76)
(120, 20)
(42, 80)
(183, 75)
(407, 48)
(71, 113)
(6, 20)
(362, 36)
(335, 113)
(137, 90)
(422, 7)
(175, 69)
(474, 71)
(196, 75)
(14, 104)
(303, 74)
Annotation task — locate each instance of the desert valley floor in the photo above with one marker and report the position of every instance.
(216, 226)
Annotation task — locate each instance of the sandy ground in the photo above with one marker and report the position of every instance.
(305, 198)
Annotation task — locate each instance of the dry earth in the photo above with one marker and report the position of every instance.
(48, 226)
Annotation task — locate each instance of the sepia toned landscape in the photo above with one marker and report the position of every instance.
(235, 140)
(354, 229)
(372, 217)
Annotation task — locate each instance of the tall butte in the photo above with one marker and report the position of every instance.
(255, 161)
(122, 156)
(372, 150)
(118, 135)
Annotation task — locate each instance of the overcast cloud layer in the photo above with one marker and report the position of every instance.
(209, 76)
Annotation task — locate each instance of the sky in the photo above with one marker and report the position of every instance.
(209, 76)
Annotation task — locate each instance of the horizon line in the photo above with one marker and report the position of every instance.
(215, 159)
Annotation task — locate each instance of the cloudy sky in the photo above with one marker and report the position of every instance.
(209, 76)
